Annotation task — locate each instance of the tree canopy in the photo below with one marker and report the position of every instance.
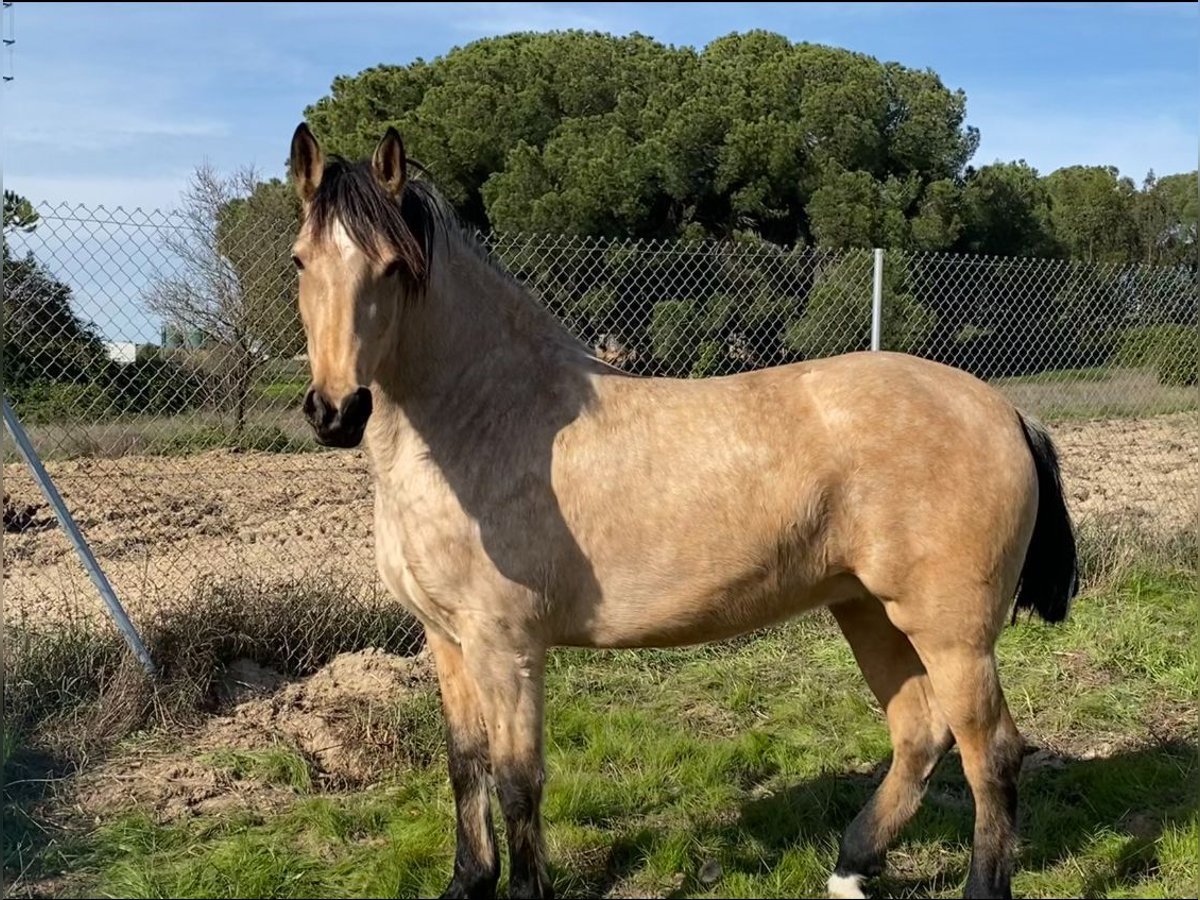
(779, 151)
(589, 133)
(19, 214)
(44, 339)
(585, 133)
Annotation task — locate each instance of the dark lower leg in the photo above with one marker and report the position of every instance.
(993, 781)
(476, 864)
(513, 711)
(968, 690)
(520, 790)
(865, 843)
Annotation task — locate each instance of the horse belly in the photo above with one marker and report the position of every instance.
(698, 610)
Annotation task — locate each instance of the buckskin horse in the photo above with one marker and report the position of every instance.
(528, 495)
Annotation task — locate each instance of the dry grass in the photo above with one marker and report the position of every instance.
(73, 688)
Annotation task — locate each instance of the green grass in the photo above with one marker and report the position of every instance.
(1101, 393)
(1056, 376)
(262, 438)
(279, 766)
(754, 754)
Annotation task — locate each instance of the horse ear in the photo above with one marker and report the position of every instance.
(390, 163)
(308, 162)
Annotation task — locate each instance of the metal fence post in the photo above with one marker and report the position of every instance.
(81, 545)
(877, 302)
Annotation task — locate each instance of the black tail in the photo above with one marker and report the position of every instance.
(1050, 576)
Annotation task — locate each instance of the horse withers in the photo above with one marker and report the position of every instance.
(528, 495)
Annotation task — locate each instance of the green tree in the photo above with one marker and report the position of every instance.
(1092, 213)
(852, 209)
(1165, 213)
(593, 134)
(837, 320)
(45, 340)
(846, 211)
(255, 233)
(54, 361)
(1005, 212)
(19, 214)
(939, 222)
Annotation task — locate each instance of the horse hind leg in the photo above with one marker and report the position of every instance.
(966, 683)
(919, 732)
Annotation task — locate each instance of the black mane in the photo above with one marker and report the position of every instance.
(398, 232)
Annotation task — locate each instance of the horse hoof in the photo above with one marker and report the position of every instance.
(456, 891)
(534, 891)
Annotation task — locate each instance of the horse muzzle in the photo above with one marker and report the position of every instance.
(340, 426)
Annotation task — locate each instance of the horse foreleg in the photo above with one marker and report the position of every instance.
(476, 865)
(511, 680)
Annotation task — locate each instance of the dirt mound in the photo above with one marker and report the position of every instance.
(321, 716)
(226, 763)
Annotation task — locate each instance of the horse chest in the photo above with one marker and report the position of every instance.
(415, 573)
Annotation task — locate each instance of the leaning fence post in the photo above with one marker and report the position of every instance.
(877, 302)
(81, 546)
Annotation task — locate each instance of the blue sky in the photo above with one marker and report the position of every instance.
(115, 103)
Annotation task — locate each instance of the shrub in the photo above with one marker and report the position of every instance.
(837, 317)
(42, 402)
(1171, 350)
(1178, 362)
(673, 333)
(708, 359)
(156, 384)
(1138, 346)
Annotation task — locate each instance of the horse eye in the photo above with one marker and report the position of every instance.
(392, 269)
(296, 262)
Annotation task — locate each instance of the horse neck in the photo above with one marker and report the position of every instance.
(475, 354)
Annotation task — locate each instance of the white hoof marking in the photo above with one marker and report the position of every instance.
(846, 887)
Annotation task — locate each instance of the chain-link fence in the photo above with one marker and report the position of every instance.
(157, 362)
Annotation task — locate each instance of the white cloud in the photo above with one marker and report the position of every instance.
(105, 129)
(126, 191)
(96, 107)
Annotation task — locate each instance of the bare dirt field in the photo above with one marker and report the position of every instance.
(159, 525)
